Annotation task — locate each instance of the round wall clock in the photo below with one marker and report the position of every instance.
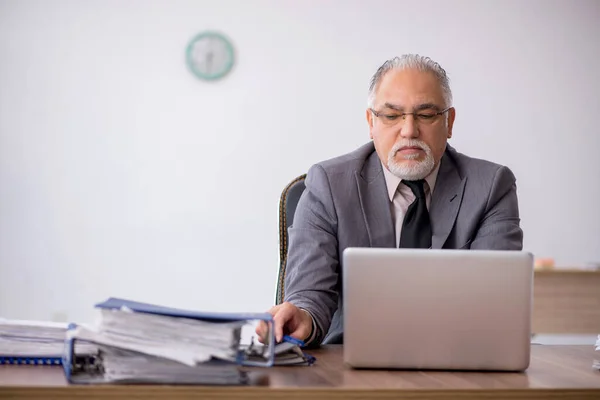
(210, 55)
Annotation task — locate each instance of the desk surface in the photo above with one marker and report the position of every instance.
(555, 372)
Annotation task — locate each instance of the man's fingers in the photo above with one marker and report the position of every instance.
(283, 315)
(278, 323)
(301, 332)
(303, 327)
(261, 331)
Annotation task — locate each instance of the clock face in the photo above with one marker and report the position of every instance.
(210, 56)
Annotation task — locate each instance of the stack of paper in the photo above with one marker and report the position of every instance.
(126, 366)
(139, 342)
(34, 342)
(596, 364)
(141, 347)
(184, 340)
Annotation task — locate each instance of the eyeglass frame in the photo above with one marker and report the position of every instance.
(415, 114)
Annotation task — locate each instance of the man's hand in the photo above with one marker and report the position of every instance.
(287, 320)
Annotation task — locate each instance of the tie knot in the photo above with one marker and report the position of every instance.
(417, 187)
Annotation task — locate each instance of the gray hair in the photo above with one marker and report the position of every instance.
(414, 61)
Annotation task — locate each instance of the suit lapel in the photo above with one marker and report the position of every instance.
(445, 202)
(375, 205)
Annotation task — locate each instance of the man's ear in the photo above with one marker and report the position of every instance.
(370, 122)
(451, 118)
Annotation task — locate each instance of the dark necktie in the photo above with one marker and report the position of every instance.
(416, 228)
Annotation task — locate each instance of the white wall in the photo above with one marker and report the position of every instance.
(121, 174)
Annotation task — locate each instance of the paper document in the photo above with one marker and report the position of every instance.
(27, 342)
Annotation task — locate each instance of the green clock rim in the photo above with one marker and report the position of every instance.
(228, 45)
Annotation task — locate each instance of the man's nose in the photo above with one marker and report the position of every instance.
(409, 127)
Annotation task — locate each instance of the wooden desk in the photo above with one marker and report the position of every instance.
(566, 301)
(555, 372)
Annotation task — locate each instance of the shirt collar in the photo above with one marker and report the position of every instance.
(392, 181)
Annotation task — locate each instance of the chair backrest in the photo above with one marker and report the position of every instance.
(287, 207)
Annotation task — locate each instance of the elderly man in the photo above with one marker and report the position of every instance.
(406, 188)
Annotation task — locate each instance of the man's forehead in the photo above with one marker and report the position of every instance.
(409, 85)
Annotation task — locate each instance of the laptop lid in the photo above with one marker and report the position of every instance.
(437, 309)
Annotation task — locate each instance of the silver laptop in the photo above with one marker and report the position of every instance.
(437, 309)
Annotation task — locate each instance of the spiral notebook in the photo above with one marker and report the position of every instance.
(27, 342)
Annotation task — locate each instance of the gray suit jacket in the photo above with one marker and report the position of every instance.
(345, 204)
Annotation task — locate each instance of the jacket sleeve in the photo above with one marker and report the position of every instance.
(500, 226)
(312, 262)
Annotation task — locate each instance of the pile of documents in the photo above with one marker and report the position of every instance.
(187, 341)
(596, 364)
(35, 342)
(139, 342)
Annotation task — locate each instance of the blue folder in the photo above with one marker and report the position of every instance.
(116, 303)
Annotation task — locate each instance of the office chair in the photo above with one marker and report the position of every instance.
(287, 207)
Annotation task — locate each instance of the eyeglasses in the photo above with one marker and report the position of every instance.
(425, 117)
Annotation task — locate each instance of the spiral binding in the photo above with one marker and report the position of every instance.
(30, 360)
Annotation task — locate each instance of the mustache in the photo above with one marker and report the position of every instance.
(409, 143)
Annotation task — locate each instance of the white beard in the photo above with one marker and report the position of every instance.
(413, 170)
